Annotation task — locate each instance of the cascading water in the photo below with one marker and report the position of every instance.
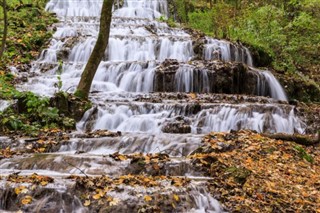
(226, 51)
(3, 105)
(268, 85)
(138, 45)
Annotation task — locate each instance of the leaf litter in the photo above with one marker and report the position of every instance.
(250, 173)
(253, 173)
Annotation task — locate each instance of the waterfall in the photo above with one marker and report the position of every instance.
(4, 104)
(189, 80)
(215, 49)
(151, 118)
(138, 44)
(268, 84)
(147, 122)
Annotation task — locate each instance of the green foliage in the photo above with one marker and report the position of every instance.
(288, 31)
(201, 20)
(7, 90)
(182, 12)
(59, 72)
(303, 154)
(27, 32)
(80, 94)
(39, 108)
(32, 113)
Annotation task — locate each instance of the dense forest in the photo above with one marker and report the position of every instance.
(194, 106)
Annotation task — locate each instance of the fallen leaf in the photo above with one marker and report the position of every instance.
(114, 202)
(193, 95)
(176, 197)
(147, 198)
(26, 200)
(96, 196)
(122, 157)
(44, 183)
(87, 203)
(20, 189)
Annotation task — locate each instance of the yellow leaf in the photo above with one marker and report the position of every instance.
(193, 95)
(87, 203)
(114, 202)
(44, 183)
(26, 200)
(174, 206)
(90, 183)
(24, 191)
(96, 196)
(41, 141)
(147, 198)
(20, 189)
(122, 157)
(29, 146)
(101, 192)
(176, 197)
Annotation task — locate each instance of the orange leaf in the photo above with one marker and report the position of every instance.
(147, 198)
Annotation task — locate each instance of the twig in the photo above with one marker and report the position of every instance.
(76, 168)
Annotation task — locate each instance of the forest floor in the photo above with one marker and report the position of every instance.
(248, 173)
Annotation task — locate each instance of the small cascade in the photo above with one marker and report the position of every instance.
(268, 85)
(140, 93)
(205, 202)
(215, 49)
(188, 79)
(152, 118)
(4, 104)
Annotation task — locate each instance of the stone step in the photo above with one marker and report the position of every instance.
(105, 143)
(103, 194)
(90, 164)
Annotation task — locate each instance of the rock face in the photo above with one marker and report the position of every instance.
(206, 77)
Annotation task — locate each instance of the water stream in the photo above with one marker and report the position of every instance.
(138, 44)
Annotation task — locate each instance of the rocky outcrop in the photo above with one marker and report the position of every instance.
(205, 76)
(179, 125)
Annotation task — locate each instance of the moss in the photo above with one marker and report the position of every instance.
(80, 94)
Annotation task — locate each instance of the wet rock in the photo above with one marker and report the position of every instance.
(23, 67)
(45, 67)
(118, 4)
(260, 57)
(63, 54)
(102, 133)
(205, 76)
(178, 127)
(69, 105)
(299, 88)
(165, 73)
(198, 47)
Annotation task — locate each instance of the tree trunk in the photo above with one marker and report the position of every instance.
(89, 72)
(5, 30)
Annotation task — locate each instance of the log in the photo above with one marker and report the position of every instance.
(298, 138)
